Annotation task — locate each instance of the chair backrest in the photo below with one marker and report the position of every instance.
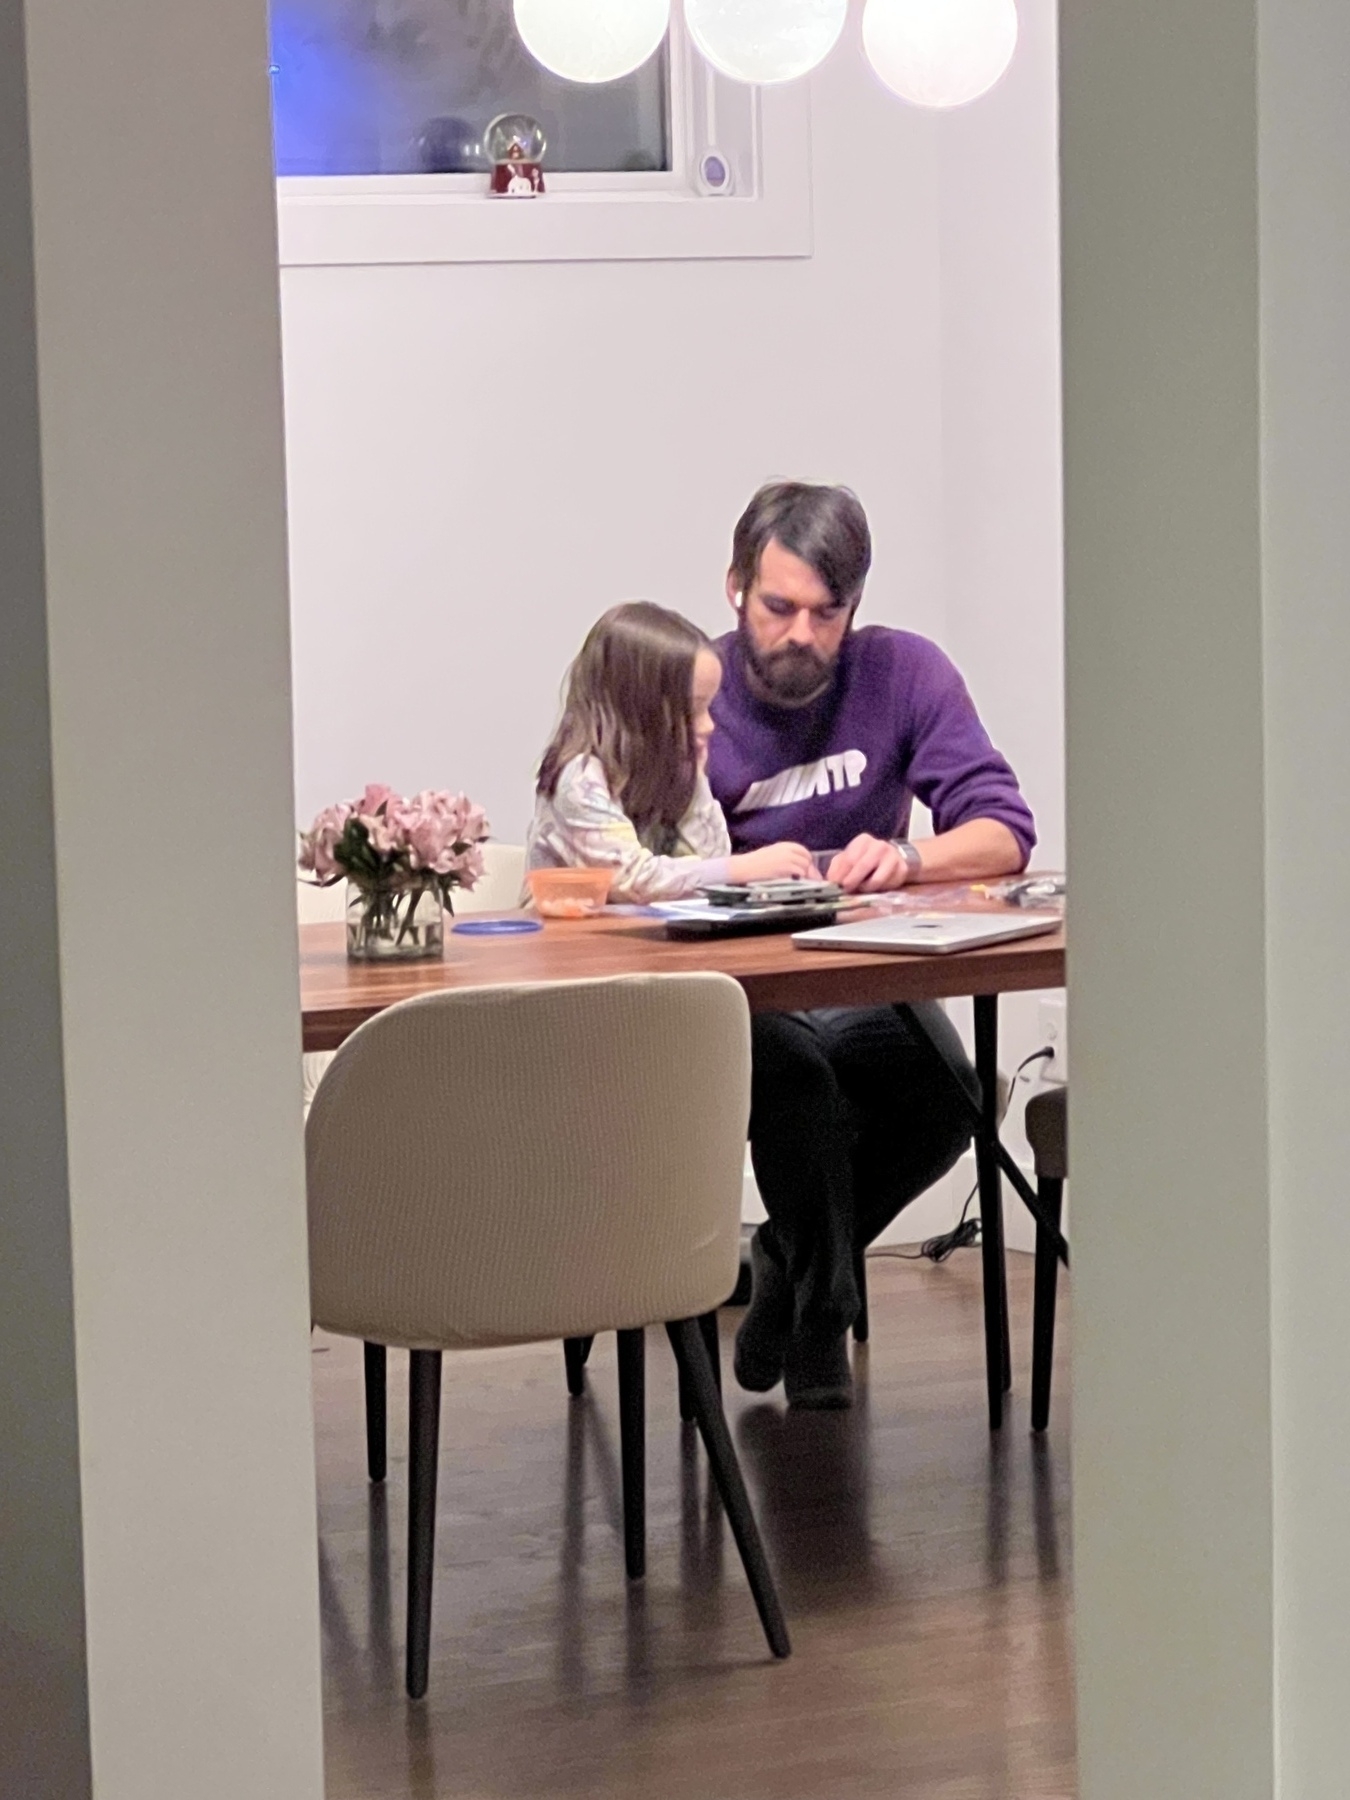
(498, 891)
(503, 878)
(526, 1162)
(320, 906)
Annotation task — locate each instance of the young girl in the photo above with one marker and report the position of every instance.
(622, 785)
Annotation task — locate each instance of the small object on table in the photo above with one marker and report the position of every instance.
(516, 144)
(497, 927)
(758, 895)
(704, 917)
(570, 893)
(933, 934)
(1028, 890)
(394, 920)
(1036, 890)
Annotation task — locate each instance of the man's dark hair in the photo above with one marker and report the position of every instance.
(825, 526)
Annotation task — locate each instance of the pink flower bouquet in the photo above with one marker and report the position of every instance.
(397, 853)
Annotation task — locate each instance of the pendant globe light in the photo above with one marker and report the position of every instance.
(940, 53)
(592, 40)
(765, 41)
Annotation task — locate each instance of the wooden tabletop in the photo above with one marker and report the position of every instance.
(337, 995)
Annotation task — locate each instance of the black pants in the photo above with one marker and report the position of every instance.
(852, 1117)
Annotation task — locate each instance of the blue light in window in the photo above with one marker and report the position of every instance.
(323, 97)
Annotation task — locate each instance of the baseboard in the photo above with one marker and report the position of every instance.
(932, 1213)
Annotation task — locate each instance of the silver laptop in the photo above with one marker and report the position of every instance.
(932, 934)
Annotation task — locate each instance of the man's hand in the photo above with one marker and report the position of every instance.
(869, 866)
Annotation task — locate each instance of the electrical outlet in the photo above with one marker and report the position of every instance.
(1054, 1020)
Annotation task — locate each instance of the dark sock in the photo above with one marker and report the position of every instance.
(763, 1334)
(816, 1371)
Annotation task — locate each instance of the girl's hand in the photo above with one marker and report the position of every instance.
(776, 862)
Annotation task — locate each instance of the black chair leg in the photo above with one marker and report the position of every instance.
(575, 1352)
(707, 1324)
(424, 1431)
(691, 1354)
(377, 1411)
(633, 1447)
(712, 1343)
(1047, 1287)
(862, 1324)
(686, 1400)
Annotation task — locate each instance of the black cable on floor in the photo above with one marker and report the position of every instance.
(966, 1232)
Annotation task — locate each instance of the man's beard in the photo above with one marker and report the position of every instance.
(793, 675)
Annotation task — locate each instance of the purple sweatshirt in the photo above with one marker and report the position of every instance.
(898, 723)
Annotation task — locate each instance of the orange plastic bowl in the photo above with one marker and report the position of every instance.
(570, 893)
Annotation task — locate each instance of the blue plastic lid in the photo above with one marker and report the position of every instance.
(497, 927)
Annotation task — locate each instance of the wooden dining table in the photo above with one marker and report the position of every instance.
(337, 996)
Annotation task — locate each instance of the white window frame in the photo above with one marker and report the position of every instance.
(765, 137)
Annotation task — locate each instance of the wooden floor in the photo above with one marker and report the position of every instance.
(924, 1569)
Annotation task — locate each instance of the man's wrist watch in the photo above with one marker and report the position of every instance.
(913, 861)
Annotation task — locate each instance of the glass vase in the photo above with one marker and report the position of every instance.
(394, 924)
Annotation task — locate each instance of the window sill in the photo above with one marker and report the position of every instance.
(432, 220)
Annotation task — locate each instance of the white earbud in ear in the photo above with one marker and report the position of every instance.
(739, 602)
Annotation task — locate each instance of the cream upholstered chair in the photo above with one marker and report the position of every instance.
(513, 1164)
(498, 891)
(503, 877)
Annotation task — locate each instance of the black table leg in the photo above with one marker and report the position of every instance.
(377, 1410)
(997, 1350)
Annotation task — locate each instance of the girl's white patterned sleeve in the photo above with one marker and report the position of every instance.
(704, 827)
(587, 828)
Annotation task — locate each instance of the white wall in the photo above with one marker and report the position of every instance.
(998, 179)
(438, 596)
(1002, 508)
(915, 356)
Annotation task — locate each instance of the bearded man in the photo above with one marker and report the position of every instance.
(826, 734)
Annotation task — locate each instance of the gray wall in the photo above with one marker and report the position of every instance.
(44, 1724)
(1305, 309)
(160, 989)
(1206, 212)
(1167, 995)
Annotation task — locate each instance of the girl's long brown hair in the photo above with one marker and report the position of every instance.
(629, 704)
